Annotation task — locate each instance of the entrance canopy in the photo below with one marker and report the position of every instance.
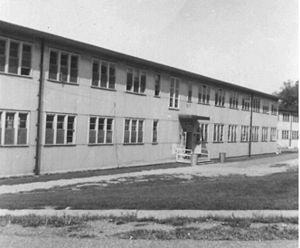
(193, 117)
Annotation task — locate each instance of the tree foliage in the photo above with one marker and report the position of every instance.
(288, 95)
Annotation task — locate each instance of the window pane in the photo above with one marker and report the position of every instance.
(60, 130)
(64, 62)
(26, 60)
(9, 129)
(140, 131)
(2, 54)
(70, 129)
(129, 80)
(143, 83)
(136, 82)
(157, 85)
(104, 75)
(126, 131)
(92, 131)
(95, 76)
(53, 65)
(13, 57)
(133, 131)
(112, 77)
(22, 129)
(74, 69)
(49, 129)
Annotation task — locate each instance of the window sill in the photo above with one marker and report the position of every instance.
(103, 144)
(246, 110)
(218, 106)
(189, 101)
(265, 113)
(15, 75)
(154, 143)
(62, 82)
(12, 146)
(175, 109)
(231, 142)
(218, 142)
(102, 88)
(58, 145)
(132, 144)
(202, 103)
(157, 96)
(244, 141)
(135, 93)
(234, 108)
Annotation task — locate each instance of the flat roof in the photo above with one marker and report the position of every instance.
(10, 27)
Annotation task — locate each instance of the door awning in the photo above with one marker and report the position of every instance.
(193, 117)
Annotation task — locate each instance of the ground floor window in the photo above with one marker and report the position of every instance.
(201, 133)
(254, 133)
(154, 131)
(231, 133)
(264, 134)
(295, 135)
(100, 130)
(13, 127)
(244, 133)
(60, 129)
(218, 132)
(133, 131)
(285, 134)
(273, 134)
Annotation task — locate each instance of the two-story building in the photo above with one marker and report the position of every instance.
(66, 106)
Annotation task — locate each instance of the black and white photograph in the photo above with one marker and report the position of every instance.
(149, 123)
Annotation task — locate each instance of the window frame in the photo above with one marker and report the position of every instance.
(137, 129)
(220, 95)
(136, 73)
(234, 100)
(232, 133)
(155, 131)
(218, 136)
(175, 96)
(58, 66)
(273, 134)
(109, 65)
(246, 103)
(6, 56)
(245, 133)
(203, 90)
(264, 134)
(157, 85)
(105, 130)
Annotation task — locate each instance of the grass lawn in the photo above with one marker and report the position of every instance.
(235, 192)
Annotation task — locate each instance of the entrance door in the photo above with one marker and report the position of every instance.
(188, 140)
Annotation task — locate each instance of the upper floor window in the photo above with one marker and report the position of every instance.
(100, 130)
(254, 133)
(202, 133)
(285, 117)
(104, 74)
(218, 132)
(136, 81)
(15, 57)
(273, 109)
(285, 134)
(60, 129)
(234, 100)
(154, 131)
(13, 127)
(266, 107)
(174, 93)
(295, 118)
(133, 131)
(63, 66)
(256, 104)
(264, 134)
(190, 93)
(244, 133)
(220, 97)
(157, 85)
(246, 103)
(203, 94)
(232, 133)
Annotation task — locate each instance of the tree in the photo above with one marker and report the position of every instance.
(288, 95)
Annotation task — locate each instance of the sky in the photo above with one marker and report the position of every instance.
(252, 43)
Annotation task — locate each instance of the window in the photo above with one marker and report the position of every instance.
(203, 94)
(174, 93)
(286, 117)
(100, 130)
(234, 100)
(266, 107)
(285, 134)
(13, 128)
(264, 134)
(273, 134)
(254, 133)
(157, 85)
(133, 131)
(220, 97)
(201, 133)
(295, 118)
(256, 105)
(136, 81)
(154, 131)
(63, 67)
(273, 109)
(218, 132)
(190, 93)
(294, 135)
(246, 103)
(232, 133)
(103, 75)
(244, 133)
(60, 129)
(15, 57)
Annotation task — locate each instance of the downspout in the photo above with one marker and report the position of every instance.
(250, 124)
(291, 128)
(39, 134)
